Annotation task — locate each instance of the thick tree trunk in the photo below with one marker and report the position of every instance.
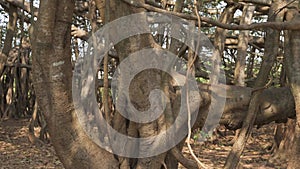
(293, 74)
(141, 86)
(283, 141)
(271, 106)
(52, 75)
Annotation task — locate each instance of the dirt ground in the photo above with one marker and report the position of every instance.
(16, 151)
(255, 156)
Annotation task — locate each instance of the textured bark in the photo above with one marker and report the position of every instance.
(271, 106)
(141, 86)
(52, 81)
(293, 74)
(283, 141)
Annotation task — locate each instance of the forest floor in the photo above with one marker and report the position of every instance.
(256, 155)
(16, 151)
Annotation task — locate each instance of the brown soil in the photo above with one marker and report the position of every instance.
(255, 156)
(16, 151)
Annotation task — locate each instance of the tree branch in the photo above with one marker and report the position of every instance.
(187, 163)
(291, 25)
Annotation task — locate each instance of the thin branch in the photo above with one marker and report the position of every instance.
(290, 25)
(259, 2)
(19, 65)
(283, 6)
(19, 3)
(189, 70)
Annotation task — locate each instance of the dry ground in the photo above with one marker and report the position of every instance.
(256, 154)
(16, 151)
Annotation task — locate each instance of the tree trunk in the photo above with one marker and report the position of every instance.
(283, 141)
(141, 87)
(11, 29)
(239, 73)
(219, 42)
(52, 70)
(292, 58)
